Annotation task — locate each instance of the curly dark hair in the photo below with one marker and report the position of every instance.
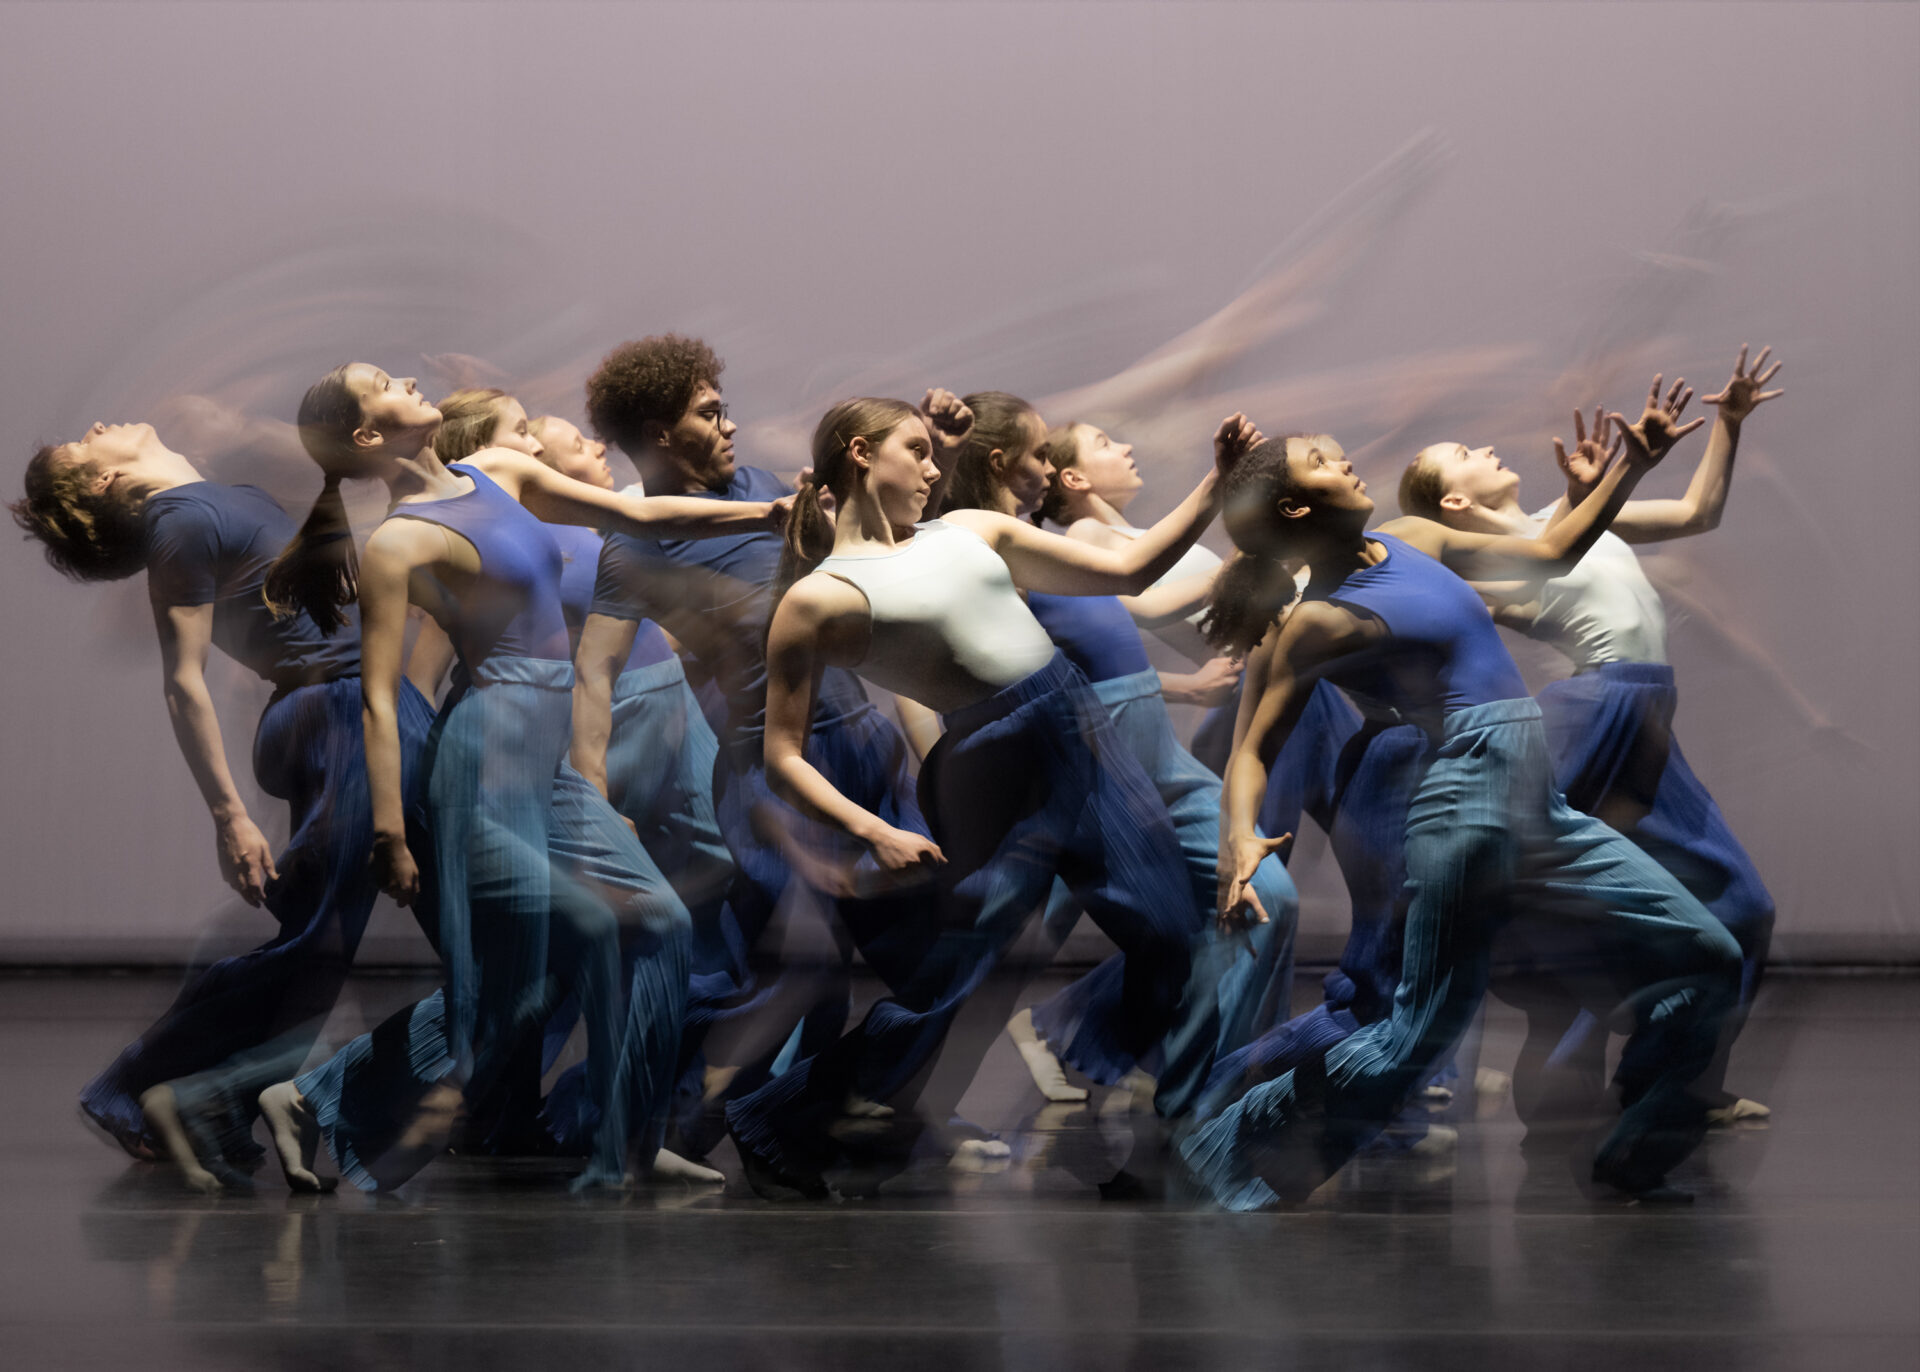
(87, 537)
(651, 379)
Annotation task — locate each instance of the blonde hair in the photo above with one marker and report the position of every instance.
(468, 419)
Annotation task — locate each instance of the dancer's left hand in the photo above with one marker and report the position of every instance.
(1239, 903)
(1234, 439)
(1591, 455)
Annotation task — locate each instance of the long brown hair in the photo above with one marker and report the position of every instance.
(809, 535)
(999, 424)
(318, 573)
(1251, 590)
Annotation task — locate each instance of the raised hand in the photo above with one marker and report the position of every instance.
(246, 858)
(1648, 439)
(1588, 461)
(1239, 903)
(1743, 393)
(1233, 440)
(949, 420)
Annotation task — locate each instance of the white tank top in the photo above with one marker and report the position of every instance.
(1605, 609)
(1195, 561)
(949, 629)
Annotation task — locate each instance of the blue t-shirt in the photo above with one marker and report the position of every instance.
(580, 552)
(209, 544)
(722, 586)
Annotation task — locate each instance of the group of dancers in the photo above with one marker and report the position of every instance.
(616, 752)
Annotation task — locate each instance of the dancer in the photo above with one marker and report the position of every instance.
(1610, 726)
(1489, 841)
(1027, 783)
(534, 869)
(778, 955)
(118, 501)
(1231, 996)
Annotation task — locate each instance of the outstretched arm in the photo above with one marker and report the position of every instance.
(817, 614)
(246, 858)
(1699, 510)
(1057, 565)
(1557, 548)
(559, 499)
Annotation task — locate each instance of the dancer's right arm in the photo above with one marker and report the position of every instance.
(186, 634)
(397, 549)
(822, 620)
(1279, 681)
(605, 642)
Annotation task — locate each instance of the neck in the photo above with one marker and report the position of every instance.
(1099, 507)
(1503, 517)
(162, 470)
(663, 477)
(863, 524)
(420, 474)
(1004, 503)
(1334, 557)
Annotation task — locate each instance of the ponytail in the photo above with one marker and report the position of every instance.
(318, 573)
(1252, 590)
(1248, 595)
(809, 534)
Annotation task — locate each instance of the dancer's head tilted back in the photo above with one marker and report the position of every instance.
(356, 422)
(1291, 498)
(874, 457)
(658, 401)
(85, 500)
(999, 468)
(482, 417)
(1085, 465)
(571, 453)
(1459, 486)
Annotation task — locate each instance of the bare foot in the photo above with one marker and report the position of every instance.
(1742, 1111)
(296, 1136)
(863, 1109)
(163, 1117)
(1042, 1065)
(670, 1166)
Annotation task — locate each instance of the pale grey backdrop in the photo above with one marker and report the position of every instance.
(1440, 221)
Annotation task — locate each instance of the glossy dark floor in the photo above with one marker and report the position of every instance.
(1803, 1250)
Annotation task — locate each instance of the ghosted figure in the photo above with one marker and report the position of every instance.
(1609, 727)
(1490, 842)
(119, 501)
(1028, 781)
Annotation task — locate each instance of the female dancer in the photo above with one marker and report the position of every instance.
(1231, 997)
(1027, 782)
(1489, 841)
(118, 501)
(1609, 726)
(528, 856)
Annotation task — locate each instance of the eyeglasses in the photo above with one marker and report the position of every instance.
(716, 414)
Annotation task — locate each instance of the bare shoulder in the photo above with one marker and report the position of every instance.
(508, 468)
(404, 542)
(1100, 535)
(1315, 629)
(1429, 537)
(988, 524)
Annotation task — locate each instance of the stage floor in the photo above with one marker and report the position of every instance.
(1803, 1250)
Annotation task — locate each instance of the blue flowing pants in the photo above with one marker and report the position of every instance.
(1491, 845)
(248, 1021)
(540, 883)
(1029, 784)
(1240, 984)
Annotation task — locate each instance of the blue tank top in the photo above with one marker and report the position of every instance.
(1444, 653)
(1094, 631)
(513, 609)
(580, 559)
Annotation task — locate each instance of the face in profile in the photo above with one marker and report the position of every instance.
(389, 406)
(1026, 473)
(701, 440)
(1107, 466)
(901, 471)
(1471, 476)
(1323, 477)
(512, 430)
(572, 453)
